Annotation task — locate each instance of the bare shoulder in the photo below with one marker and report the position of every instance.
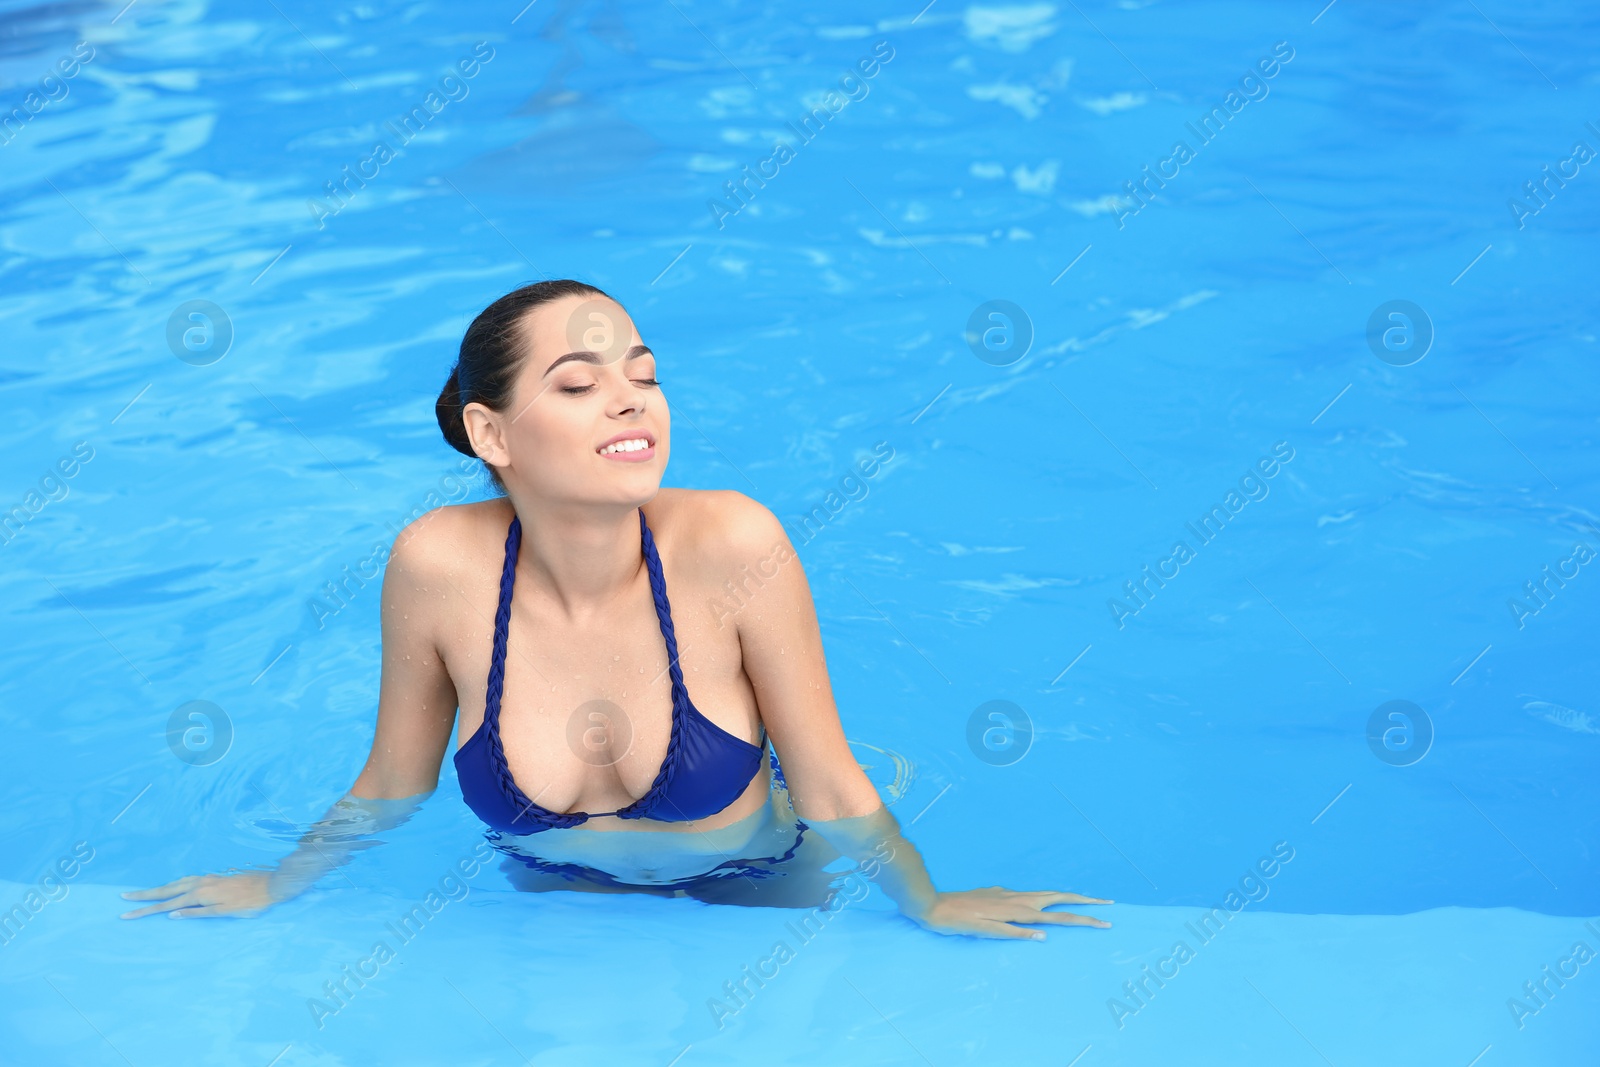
(714, 529)
(449, 540)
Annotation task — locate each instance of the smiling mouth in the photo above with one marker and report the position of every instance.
(639, 448)
(627, 446)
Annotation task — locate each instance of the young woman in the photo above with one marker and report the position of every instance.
(613, 739)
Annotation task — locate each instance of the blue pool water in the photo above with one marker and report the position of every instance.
(1417, 540)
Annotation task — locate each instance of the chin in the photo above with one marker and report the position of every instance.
(638, 491)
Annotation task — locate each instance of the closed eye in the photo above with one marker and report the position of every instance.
(579, 390)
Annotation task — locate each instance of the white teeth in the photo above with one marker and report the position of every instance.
(633, 445)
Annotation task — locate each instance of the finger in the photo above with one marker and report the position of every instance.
(997, 929)
(1018, 911)
(186, 900)
(1067, 918)
(1050, 896)
(211, 911)
(171, 889)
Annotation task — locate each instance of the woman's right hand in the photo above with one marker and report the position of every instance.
(244, 895)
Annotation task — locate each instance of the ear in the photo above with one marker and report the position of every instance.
(486, 431)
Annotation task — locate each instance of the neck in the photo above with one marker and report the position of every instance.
(583, 554)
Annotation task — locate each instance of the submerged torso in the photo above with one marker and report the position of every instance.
(645, 857)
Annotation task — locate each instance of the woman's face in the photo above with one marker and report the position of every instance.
(587, 422)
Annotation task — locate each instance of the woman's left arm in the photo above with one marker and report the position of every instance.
(781, 645)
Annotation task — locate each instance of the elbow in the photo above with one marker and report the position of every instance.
(841, 791)
(832, 806)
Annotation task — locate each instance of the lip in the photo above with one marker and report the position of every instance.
(639, 456)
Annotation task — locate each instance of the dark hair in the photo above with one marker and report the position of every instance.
(492, 353)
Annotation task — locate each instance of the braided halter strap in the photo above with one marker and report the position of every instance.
(526, 808)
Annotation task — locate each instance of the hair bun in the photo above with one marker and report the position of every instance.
(448, 411)
(493, 352)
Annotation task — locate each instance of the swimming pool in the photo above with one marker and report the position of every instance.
(1334, 348)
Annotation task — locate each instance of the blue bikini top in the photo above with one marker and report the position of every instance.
(705, 770)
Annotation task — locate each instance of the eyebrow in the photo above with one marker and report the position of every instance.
(594, 357)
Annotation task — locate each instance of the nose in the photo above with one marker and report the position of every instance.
(624, 398)
(627, 401)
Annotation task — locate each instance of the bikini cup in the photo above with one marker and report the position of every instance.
(705, 768)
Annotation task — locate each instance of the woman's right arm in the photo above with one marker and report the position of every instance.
(416, 711)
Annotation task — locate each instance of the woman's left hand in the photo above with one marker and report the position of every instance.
(996, 912)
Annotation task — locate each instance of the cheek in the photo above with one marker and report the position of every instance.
(662, 424)
(550, 438)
